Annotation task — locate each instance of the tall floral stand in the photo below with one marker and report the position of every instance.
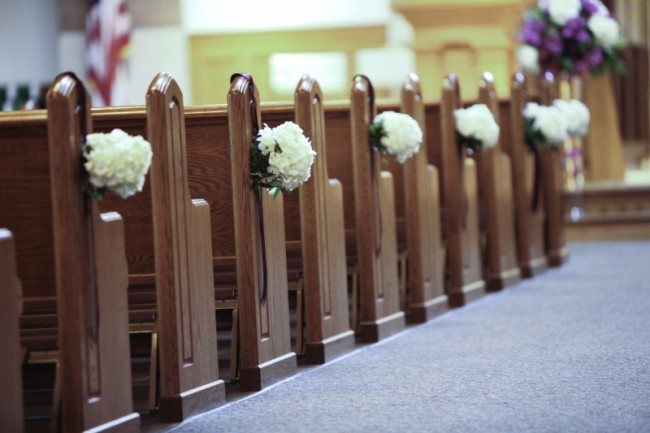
(602, 148)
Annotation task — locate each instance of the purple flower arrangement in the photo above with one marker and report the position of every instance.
(570, 36)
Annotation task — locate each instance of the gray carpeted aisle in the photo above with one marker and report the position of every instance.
(567, 351)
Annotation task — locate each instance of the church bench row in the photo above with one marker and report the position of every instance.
(205, 127)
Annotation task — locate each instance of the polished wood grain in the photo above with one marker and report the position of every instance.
(183, 255)
(460, 204)
(322, 233)
(420, 210)
(376, 236)
(495, 198)
(266, 355)
(91, 279)
(526, 167)
(11, 398)
(553, 184)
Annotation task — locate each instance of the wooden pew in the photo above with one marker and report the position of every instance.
(420, 213)
(322, 238)
(553, 184)
(210, 177)
(526, 170)
(460, 204)
(11, 400)
(495, 197)
(266, 355)
(189, 371)
(94, 380)
(376, 237)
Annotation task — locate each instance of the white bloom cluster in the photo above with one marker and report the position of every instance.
(561, 11)
(402, 134)
(528, 57)
(477, 122)
(117, 161)
(549, 121)
(290, 154)
(605, 29)
(577, 115)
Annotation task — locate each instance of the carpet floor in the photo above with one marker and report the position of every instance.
(567, 351)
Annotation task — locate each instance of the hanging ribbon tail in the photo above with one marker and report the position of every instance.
(92, 296)
(374, 170)
(262, 240)
(464, 211)
(537, 180)
(375, 193)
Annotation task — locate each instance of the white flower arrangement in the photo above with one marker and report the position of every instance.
(476, 127)
(397, 134)
(577, 115)
(545, 127)
(281, 158)
(117, 162)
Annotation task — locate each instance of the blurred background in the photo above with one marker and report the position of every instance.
(202, 42)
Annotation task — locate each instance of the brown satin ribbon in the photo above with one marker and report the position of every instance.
(92, 295)
(258, 196)
(373, 171)
(537, 180)
(463, 191)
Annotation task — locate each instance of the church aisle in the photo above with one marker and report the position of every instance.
(567, 351)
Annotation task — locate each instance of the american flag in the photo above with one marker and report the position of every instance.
(108, 29)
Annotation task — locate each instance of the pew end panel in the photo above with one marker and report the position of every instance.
(11, 402)
(322, 230)
(553, 184)
(374, 204)
(460, 204)
(421, 211)
(526, 171)
(189, 370)
(91, 279)
(495, 197)
(266, 355)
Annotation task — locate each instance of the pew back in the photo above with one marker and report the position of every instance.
(11, 400)
(460, 205)
(527, 171)
(495, 194)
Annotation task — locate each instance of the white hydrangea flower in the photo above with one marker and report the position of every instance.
(528, 57)
(403, 135)
(477, 122)
(577, 115)
(549, 120)
(562, 11)
(290, 154)
(605, 29)
(117, 161)
(543, 4)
